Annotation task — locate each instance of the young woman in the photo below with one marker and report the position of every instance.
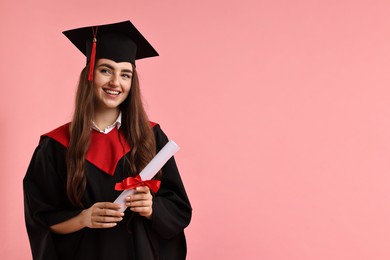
(69, 185)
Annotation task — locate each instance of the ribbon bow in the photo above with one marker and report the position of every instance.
(134, 182)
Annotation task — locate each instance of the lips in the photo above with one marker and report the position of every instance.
(111, 92)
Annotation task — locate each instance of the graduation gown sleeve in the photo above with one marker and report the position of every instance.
(171, 208)
(45, 197)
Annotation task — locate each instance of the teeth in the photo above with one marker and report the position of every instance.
(112, 92)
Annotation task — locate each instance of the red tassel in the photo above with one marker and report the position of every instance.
(93, 56)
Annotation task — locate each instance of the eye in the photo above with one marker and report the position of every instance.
(105, 71)
(126, 76)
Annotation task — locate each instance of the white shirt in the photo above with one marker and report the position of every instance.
(108, 129)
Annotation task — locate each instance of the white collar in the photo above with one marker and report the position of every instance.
(108, 129)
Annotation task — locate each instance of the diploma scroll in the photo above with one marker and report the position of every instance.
(150, 170)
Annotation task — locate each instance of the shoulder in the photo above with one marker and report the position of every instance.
(47, 154)
(156, 127)
(161, 137)
(60, 134)
(153, 124)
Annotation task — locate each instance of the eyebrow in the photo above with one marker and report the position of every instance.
(112, 68)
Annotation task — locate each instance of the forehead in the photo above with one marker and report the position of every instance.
(115, 65)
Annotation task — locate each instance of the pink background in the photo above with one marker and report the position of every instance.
(280, 107)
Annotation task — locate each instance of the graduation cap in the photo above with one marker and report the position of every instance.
(120, 42)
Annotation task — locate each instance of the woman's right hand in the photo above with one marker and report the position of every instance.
(102, 215)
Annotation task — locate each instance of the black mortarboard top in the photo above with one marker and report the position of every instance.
(117, 41)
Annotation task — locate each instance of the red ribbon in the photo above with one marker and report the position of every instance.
(134, 182)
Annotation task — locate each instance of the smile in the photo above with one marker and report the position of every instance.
(111, 92)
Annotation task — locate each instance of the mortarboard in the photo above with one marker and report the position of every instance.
(120, 42)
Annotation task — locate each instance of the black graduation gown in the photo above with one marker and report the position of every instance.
(135, 237)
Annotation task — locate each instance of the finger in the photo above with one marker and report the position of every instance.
(139, 196)
(107, 205)
(142, 189)
(145, 212)
(140, 203)
(105, 219)
(107, 212)
(103, 225)
(141, 209)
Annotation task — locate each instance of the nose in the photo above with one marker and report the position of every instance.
(114, 82)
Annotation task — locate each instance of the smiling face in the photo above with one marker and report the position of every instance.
(112, 83)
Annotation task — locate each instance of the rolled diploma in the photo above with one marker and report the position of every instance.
(150, 170)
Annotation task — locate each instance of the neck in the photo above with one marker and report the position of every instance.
(105, 117)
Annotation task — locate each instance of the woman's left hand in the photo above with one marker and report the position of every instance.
(141, 201)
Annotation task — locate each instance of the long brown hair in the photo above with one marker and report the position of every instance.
(135, 128)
